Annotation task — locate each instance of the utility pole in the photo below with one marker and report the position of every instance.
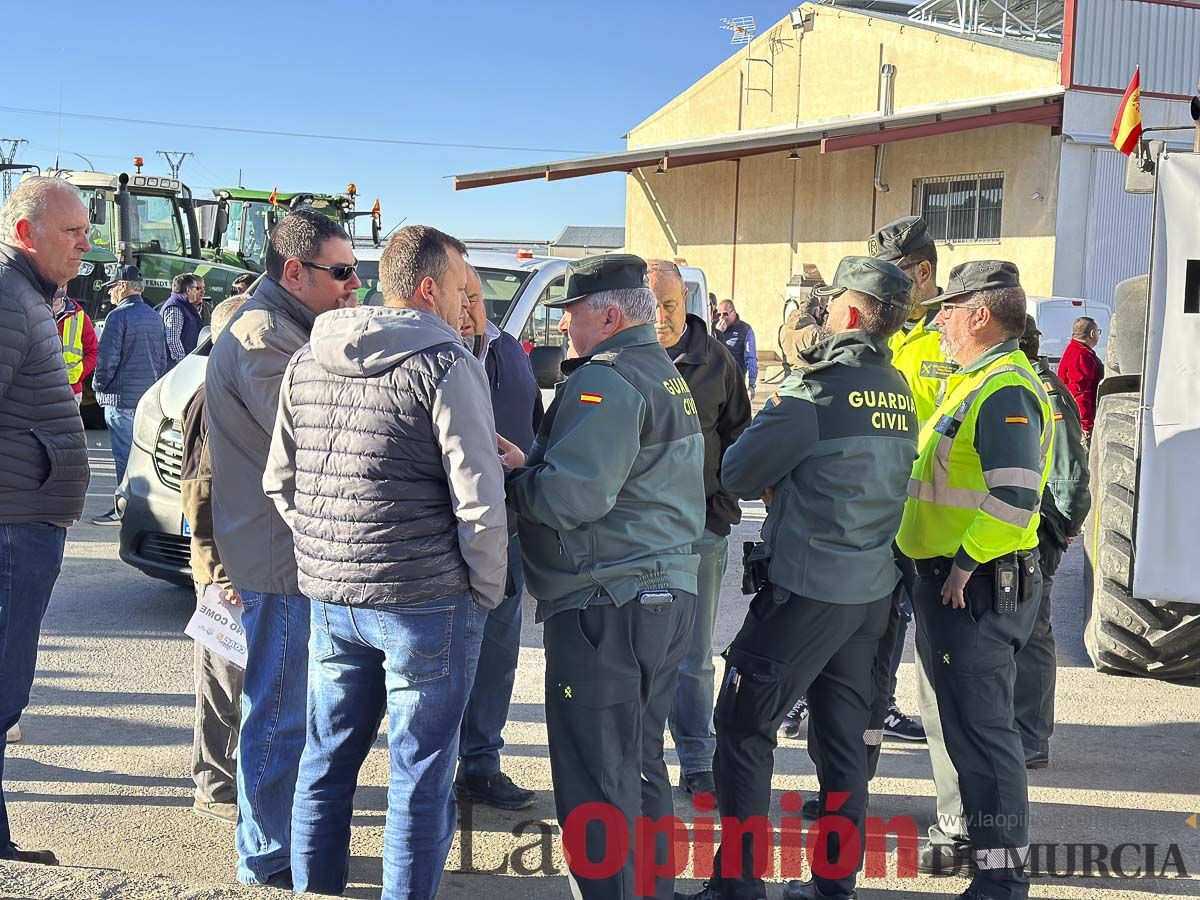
(8, 152)
(175, 163)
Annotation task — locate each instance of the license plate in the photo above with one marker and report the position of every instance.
(185, 527)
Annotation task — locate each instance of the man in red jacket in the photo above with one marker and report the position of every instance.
(80, 345)
(1081, 370)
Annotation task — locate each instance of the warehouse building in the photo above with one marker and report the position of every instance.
(990, 118)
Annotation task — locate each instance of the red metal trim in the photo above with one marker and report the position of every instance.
(1157, 95)
(1049, 114)
(1067, 57)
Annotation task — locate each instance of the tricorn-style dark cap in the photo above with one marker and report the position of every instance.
(899, 239)
(609, 272)
(124, 273)
(981, 275)
(883, 280)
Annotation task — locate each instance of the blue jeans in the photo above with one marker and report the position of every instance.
(487, 707)
(272, 735)
(30, 560)
(692, 710)
(418, 662)
(120, 436)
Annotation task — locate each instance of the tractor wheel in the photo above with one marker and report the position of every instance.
(1124, 634)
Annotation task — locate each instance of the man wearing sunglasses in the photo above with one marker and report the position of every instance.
(970, 527)
(310, 270)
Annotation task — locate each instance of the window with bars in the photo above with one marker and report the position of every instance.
(961, 207)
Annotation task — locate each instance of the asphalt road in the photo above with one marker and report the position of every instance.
(102, 776)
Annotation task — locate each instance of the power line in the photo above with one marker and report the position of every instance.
(357, 139)
(175, 159)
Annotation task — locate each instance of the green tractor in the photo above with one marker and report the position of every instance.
(148, 221)
(234, 226)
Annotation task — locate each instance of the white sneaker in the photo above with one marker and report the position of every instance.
(14, 733)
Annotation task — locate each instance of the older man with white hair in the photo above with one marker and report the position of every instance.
(610, 501)
(44, 475)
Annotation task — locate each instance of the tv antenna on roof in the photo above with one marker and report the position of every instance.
(743, 27)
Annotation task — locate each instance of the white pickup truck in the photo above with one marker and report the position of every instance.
(155, 536)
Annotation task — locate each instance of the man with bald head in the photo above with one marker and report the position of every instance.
(517, 406)
(43, 236)
(723, 408)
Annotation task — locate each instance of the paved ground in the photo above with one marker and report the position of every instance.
(102, 776)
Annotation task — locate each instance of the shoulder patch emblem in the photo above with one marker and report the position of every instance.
(931, 368)
(1016, 420)
(1058, 417)
(594, 399)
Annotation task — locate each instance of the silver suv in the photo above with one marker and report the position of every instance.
(155, 535)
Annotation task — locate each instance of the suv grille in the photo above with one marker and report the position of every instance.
(168, 453)
(172, 549)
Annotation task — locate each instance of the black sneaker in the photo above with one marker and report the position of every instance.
(1037, 759)
(109, 518)
(940, 860)
(898, 725)
(790, 728)
(698, 783)
(492, 790)
(975, 893)
(811, 810)
(40, 857)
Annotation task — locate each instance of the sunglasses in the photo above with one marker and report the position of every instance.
(724, 315)
(338, 273)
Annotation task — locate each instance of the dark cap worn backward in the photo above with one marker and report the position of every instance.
(124, 273)
(609, 272)
(883, 280)
(981, 275)
(899, 239)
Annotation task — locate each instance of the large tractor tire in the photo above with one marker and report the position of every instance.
(1124, 634)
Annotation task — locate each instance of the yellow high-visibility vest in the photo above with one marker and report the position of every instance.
(72, 340)
(948, 494)
(917, 353)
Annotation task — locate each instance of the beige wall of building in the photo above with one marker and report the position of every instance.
(823, 207)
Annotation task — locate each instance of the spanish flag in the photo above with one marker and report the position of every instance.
(274, 198)
(1127, 129)
(375, 210)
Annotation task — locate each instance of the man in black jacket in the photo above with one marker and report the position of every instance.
(724, 411)
(44, 473)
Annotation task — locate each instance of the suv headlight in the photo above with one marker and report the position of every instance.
(148, 418)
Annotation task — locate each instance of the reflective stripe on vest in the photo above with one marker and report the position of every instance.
(949, 488)
(72, 340)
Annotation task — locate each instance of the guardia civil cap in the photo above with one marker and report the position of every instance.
(609, 272)
(899, 239)
(883, 280)
(980, 275)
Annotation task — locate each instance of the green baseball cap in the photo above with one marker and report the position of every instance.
(883, 280)
(980, 275)
(899, 239)
(609, 272)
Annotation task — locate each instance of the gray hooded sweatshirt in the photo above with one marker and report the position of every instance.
(383, 463)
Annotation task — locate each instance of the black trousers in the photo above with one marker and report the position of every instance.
(610, 678)
(1037, 663)
(881, 674)
(801, 647)
(970, 657)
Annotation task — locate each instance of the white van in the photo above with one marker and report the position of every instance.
(1056, 315)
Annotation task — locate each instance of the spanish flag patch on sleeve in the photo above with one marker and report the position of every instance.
(594, 399)
(1016, 420)
(1058, 417)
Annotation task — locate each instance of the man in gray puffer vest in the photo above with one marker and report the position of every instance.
(43, 455)
(383, 464)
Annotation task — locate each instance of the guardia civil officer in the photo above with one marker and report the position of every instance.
(1065, 504)
(832, 452)
(610, 501)
(971, 528)
(917, 353)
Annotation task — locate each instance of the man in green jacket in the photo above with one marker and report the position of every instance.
(610, 500)
(831, 453)
(1065, 504)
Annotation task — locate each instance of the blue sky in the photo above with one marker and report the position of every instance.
(564, 76)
